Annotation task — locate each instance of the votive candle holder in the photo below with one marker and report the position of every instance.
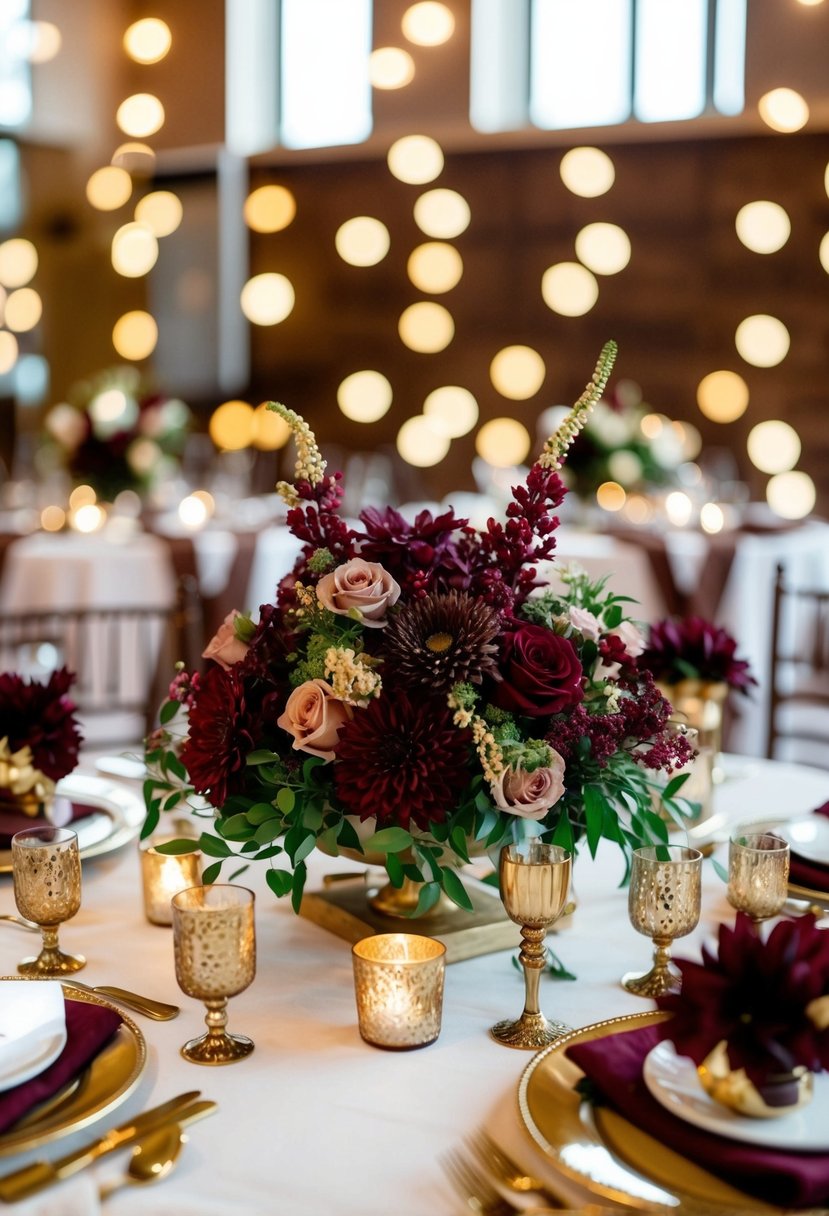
(398, 983)
(163, 875)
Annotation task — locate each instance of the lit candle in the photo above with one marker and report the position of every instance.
(398, 983)
(163, 876)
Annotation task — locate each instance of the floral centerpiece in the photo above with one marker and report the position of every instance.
(415, 693)
(754, 1015)
(116, 433)
(39, 738)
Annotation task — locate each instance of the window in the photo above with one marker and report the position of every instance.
(15, 74)
(562, 64)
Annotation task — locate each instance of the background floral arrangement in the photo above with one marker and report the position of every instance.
(695, 649)
(115, 433)
(414, 678)
(39, 734)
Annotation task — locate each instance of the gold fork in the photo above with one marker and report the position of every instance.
(506, 1170)
(478, 1193)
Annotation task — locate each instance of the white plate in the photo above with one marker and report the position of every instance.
(808, 837)
(41, 1054)
(122, 766)
(672, 1080)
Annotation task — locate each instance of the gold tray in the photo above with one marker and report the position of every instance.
(602, 1151)
(813, 896)
(117, 819)
(104, 1084)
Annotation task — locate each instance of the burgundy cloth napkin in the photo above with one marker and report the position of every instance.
(614, 1065)
(16, 821)
(88, 1028)
(810, 873)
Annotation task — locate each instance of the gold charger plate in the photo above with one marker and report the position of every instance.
(602, 1151)
(104, 1084)
(117, 818)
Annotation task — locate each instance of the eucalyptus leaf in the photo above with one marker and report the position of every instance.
(262, 756)
(211, 873)
(286, 800)
(455, 889)
(389, 840)
(394, 869)
(280, 881)
(428, 897)
(168, 711)
(176, 848)
(299, 886)
(261, 812)
(211, 845)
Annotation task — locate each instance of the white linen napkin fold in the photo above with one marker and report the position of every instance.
(30, 1015)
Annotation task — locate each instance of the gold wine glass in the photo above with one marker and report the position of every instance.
(663, 903)
(535, 879)
(758, 874)
(46, 869)
(215, 952)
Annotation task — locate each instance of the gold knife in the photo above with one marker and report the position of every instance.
(31, 1178)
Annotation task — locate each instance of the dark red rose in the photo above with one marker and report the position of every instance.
(541, 672)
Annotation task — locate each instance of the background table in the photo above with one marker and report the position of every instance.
(316, 1121)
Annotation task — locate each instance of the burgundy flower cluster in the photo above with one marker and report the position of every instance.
(695, 649)
(42, 717)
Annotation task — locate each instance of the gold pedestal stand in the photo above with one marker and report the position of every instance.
(343, 908)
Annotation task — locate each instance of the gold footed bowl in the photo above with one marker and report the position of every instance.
(531, 1030)
(779, 1095)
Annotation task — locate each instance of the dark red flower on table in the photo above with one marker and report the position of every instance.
(695, 649)
(421, 556)
(759, 997)
(541, 672)
(42, 717)
(222, 732)
(400, 760)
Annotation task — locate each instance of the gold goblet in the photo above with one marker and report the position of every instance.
(758, 874)
(46, 868)
(215, 952)
(663, 903)
(535, 879)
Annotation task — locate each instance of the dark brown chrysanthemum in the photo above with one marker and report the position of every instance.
(441, 640)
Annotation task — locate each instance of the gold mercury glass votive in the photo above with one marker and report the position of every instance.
(758, 874)
(398, 983)
(163, 875)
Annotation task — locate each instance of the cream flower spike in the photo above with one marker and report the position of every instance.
(310, 465)
(555, 449)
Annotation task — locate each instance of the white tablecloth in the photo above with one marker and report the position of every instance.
(316, 1121)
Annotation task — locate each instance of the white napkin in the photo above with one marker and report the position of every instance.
(32, 1020)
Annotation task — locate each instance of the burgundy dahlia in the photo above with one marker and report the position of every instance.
(42, 717)
(695, 649)
(541, 672)
(222, 732)
(757, 996)
(401, 760)
(421, 556)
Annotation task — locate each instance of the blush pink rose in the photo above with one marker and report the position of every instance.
(314, 716)
(530, 795)
(585, 622)
(630, 637)
(224, 647)
(362, 585)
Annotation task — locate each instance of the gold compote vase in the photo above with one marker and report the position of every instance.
(700, 705)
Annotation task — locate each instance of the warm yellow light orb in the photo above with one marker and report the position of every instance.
(270, 432)
(503, 442)
(88, 518)
(192, 512)
(435, 267)
(267, 299)
(652, 425)
(52, 519)
(24, 309)
(763, 227)
(603, 248)
(791, 495)
(517, 372)
(722, 396)
(81, 496)
(711, 518)
(773, 446)
(569, 289)
(451, 410)
(364, 396)
(762, 340)
(135, 334)
(231, 426)
(140, 115)
(587, 172)
(269, 209)
(134, 251)
(18, 262)
(611, 496)
(109, 188)
(428, 23)
(136, 158)
(415, 159)
(783, 110)
(8, 351)
(161, 212)
(362, 241)
(678, 508)
(442, 213)
(419, 444)
(148, 40)
(426, 327)
(823, 252)
(390, 67)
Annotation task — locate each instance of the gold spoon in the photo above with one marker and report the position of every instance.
(153, 1158)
